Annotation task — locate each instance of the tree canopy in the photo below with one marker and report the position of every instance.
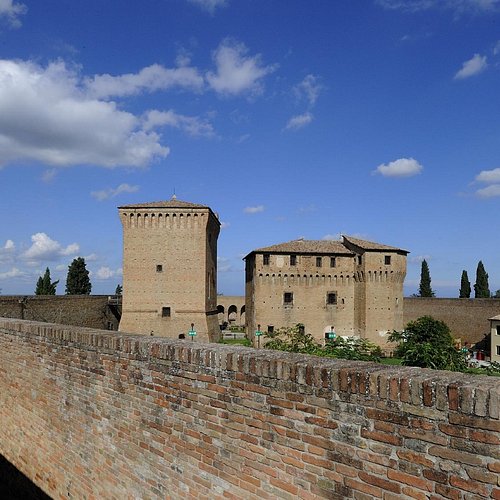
(425, 290)
(481, 288)
(427, 343)
(465, 288)
(44, 285)
(77, 280)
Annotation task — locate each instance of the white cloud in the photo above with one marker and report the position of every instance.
(457, 6)
(224, 225)
(417, 259)
(7, 252)
(489, 176)
(11, 10)
(111, 193)
(254, 210)
(237, 72)
(496, 48)
(106, 273)
(209, 5)
(13, 273)
(472, 67)
(404, 167)
(308, 89)
(151, 78)
(299, 121)
(489, 191)
(47, 249)
(224, 265)
(190, 124)
(46, 117)
(332, 237)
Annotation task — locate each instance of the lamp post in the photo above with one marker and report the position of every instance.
(258, 334)
(192, 332)
(331, 334)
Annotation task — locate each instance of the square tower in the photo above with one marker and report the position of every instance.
(170, 269)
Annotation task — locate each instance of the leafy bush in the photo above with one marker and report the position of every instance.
(427, 343)
(296, 340)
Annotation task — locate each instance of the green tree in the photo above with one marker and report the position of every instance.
(118, 290)
(44, 285)
(497, 294)
(465, 288)
(425, 290)
(481, 288)
(77, 280)
(427, 342)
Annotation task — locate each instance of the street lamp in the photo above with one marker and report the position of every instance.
(192, 332)
(258, 334)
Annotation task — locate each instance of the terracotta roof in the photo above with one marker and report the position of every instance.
(172, 203)
(307, 246)
(370, 245)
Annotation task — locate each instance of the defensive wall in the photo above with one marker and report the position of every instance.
(94, 414)
(91, 311)
(467, 318)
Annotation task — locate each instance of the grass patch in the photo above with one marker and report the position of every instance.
(245, 342)
(391, 361)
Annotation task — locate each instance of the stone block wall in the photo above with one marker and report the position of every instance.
(92, 414)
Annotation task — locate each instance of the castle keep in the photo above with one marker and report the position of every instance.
(353, 287)
(170, 269)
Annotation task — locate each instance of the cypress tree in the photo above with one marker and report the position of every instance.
(481, 288)
(77, 280)
(118, 290)
(465, 288)
(425, 290)
(44, 286)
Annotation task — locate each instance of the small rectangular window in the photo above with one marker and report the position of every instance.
(265, 259)
(270, 328)
(387, 260)
(165, 312)
(293, 260)
(498, 329)
(360, 260)
(302, 329)
(288, 298)
(498, 350)
(333, 262)
(159, 268)
(331, 298)
(318, 261)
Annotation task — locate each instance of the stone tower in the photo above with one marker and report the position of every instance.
(170, 269)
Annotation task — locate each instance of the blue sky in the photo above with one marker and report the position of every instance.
(373, 118)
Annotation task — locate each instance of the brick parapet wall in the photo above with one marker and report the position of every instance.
(93, 414)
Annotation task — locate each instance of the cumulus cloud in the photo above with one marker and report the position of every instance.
(111, 193)
(224, 265)
(404, 167)
(237, 72)
(45, 116)
(332, 237)
(473, 66)
(209, 5)
(7, 252)
(47, 249)
(150, 79)
(106, 273)
(456, 6)
(13, 273)
(254, 210)
(309, 89)
(299, 121)
(491, 177)
(11, 10)
(489, 192)
(192, 125)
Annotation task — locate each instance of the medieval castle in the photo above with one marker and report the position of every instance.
(352, 288)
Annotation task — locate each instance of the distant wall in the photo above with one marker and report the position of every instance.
(95, 414)
(91, 311)
(467, 318)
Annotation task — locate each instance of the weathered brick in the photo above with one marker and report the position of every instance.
(417, 482)
(466, 485)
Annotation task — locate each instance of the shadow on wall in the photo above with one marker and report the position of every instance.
(14, 485)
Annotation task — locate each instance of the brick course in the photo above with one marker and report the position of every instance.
(95, 414)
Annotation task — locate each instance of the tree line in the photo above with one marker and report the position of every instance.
(481, 287)
(77, 280)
